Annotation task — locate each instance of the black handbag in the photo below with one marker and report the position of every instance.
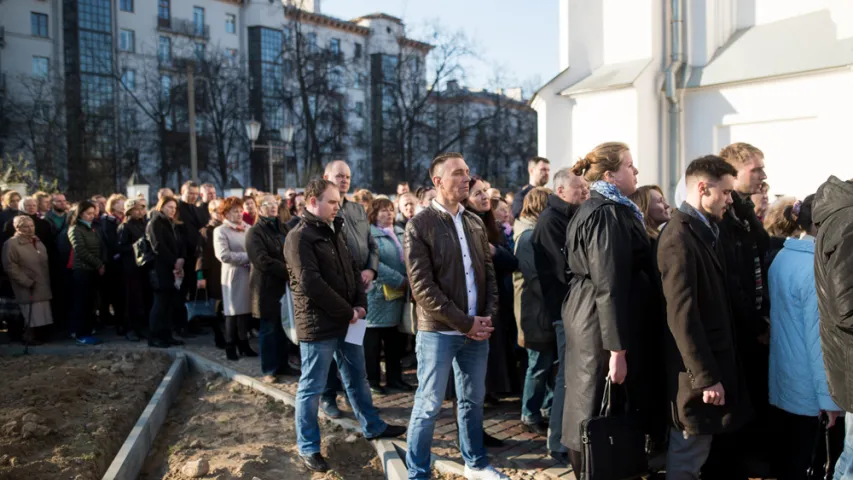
(821, 437)
(614, 444)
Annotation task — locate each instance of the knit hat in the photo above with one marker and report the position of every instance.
(132, 203)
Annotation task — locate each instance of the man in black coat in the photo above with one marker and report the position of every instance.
(265, 247)
(833, 213)
(191, 223)
(538, 168)
(706, 386)
(208, 194)
(745, 244)
(328, 296)
(549, 240)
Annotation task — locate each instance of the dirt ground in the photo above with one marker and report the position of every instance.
(244, 435)
(65, 417)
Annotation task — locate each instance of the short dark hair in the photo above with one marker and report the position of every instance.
(376, 206)
(316, 188)
(188, 184)
(403, 183)
(710, 166)
(440, 159)
(534, 160)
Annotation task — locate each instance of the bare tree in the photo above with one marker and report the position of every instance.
(37, 125)
(315, 81)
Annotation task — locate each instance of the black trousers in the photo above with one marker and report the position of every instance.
(393, 343)
(796, 438)
(167, 304)
(83, 302)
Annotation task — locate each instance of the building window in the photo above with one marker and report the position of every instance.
(41, 67)
(163, 9)
(335, 46)
(165, 50)
(128, 117)
(38, 24)
(198, 20)
(128, 79)
(127, 41)
(199, 51)
(359, 109)
(359, 81)
(287, 68)
(126, 6)
(230, 23)
(357, 53)
(166, 86)
(311, 41)
(287, 35)
(231, 56)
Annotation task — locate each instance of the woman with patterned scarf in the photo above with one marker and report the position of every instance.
(608, 253)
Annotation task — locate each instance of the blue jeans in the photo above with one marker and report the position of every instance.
(555, 425)
(273, 345)
(437, 354)
(538, 386)
(844, 466)
(317, 357)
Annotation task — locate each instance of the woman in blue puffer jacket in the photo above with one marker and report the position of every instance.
(385, 301)
(798, 386)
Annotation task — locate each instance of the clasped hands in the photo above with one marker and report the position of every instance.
(481, 329)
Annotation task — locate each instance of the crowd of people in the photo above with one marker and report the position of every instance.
(708, 314)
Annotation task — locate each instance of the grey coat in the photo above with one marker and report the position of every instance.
(230, 247)
(360, 242)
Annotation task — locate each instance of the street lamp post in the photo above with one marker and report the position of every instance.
(253, 130)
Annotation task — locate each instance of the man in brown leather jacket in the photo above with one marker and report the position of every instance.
(453, 283)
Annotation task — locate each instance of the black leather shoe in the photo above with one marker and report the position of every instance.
(540, 428)
(184, 333)
(400, 385)
(156, 343)
(491, 442)
(391, 431)
(315, 463)
(174, 342)
(378, 389)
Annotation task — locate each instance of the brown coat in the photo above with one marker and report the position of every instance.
(26, 263)
(436, 272)
(701, 350)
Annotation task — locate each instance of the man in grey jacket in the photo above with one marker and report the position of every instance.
(364, 251)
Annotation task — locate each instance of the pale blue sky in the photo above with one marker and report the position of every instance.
(521, 36)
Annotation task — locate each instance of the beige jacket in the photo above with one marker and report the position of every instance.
(26, 264)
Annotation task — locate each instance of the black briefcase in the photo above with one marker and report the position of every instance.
(614, 445)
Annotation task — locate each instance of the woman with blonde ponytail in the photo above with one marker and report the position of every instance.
(605, 313)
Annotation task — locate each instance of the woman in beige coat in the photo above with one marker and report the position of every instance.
(229, 245)
(26, 264)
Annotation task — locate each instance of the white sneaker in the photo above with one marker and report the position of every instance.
(487, 473)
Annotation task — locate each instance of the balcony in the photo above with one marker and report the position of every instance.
(181, 26)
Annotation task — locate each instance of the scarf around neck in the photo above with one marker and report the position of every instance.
(612, 193)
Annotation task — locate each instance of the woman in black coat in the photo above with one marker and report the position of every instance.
(609, 255)
(208, 269)
(169, 256)
(265, 247)
(135, 280)
(502, 375)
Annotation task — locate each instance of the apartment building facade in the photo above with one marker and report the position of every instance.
(120, 73)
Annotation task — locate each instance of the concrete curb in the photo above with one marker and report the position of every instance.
(392, 463)
(130, 458)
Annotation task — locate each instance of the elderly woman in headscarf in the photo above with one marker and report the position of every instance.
(26, 264)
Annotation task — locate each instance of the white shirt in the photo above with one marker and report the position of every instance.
(467, 263)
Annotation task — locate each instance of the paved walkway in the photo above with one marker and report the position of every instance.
(524, 455)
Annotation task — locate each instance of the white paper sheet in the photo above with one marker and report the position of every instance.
(356, 331)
